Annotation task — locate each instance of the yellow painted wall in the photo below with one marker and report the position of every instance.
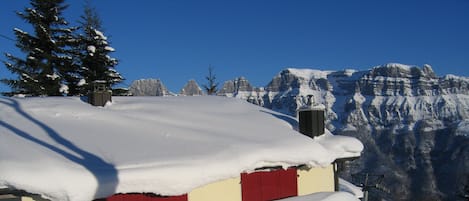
(225, 190)
(315, 180)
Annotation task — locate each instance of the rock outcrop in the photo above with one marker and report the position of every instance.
(241, 88)
(148, 87)
(191, 89)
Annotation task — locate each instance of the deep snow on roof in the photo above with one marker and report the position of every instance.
(65, 149)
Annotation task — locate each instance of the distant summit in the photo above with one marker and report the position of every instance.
(241, 88)
(148, 87)
(191, 89)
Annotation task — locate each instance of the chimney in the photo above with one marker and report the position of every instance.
(311, 119)
(100, 93)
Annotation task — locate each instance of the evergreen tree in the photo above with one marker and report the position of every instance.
(211, 86)
(48, 65)
(94, 50)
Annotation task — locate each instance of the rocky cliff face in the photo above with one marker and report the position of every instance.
(241, 88)
(148, 87)
(412, 122)
(191, 89)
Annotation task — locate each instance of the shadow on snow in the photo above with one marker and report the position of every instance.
(104, 172)
(290, 120)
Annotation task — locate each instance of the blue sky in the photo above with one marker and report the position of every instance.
(176, 40)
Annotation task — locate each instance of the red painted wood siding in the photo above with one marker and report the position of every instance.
(143, 197)
(271, 185)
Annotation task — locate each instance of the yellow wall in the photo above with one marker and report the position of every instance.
(315, 180)
(226, 190)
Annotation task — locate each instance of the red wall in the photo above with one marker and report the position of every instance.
(263, 186)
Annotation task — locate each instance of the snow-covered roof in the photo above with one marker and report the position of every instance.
(66, 149)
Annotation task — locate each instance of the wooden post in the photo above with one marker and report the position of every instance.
(100, 94)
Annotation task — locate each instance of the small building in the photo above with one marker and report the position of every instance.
(161, 149)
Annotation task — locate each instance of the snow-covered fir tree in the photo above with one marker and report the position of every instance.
(48, 65)
(94, 51)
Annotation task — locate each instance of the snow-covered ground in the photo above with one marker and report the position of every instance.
(347, 192)
(66, 149)
(324, 196)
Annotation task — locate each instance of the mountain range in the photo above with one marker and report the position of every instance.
(413, 123)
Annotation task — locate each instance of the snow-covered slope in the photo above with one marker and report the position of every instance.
(66, 149)
(324, 196)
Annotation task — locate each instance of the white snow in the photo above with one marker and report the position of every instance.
(346, 186)
(455, 77)
(38, 50)
(324, 196)
(463, 128)
(63, 89)
(100, 35)
(91, 49)
(308, 74)
(66, 149)
(25, 78)
(359, 98)
(397, 65)
(110, 49)
(340, 146)
(20, 31)
(349, 72)
(53, 76)
(81, 82)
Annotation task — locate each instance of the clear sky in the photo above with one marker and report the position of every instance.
(176, 40)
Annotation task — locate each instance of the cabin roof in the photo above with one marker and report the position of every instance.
(66, 149)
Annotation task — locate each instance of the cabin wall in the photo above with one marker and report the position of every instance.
(313, 180)
(226, 190)
(316, 180)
